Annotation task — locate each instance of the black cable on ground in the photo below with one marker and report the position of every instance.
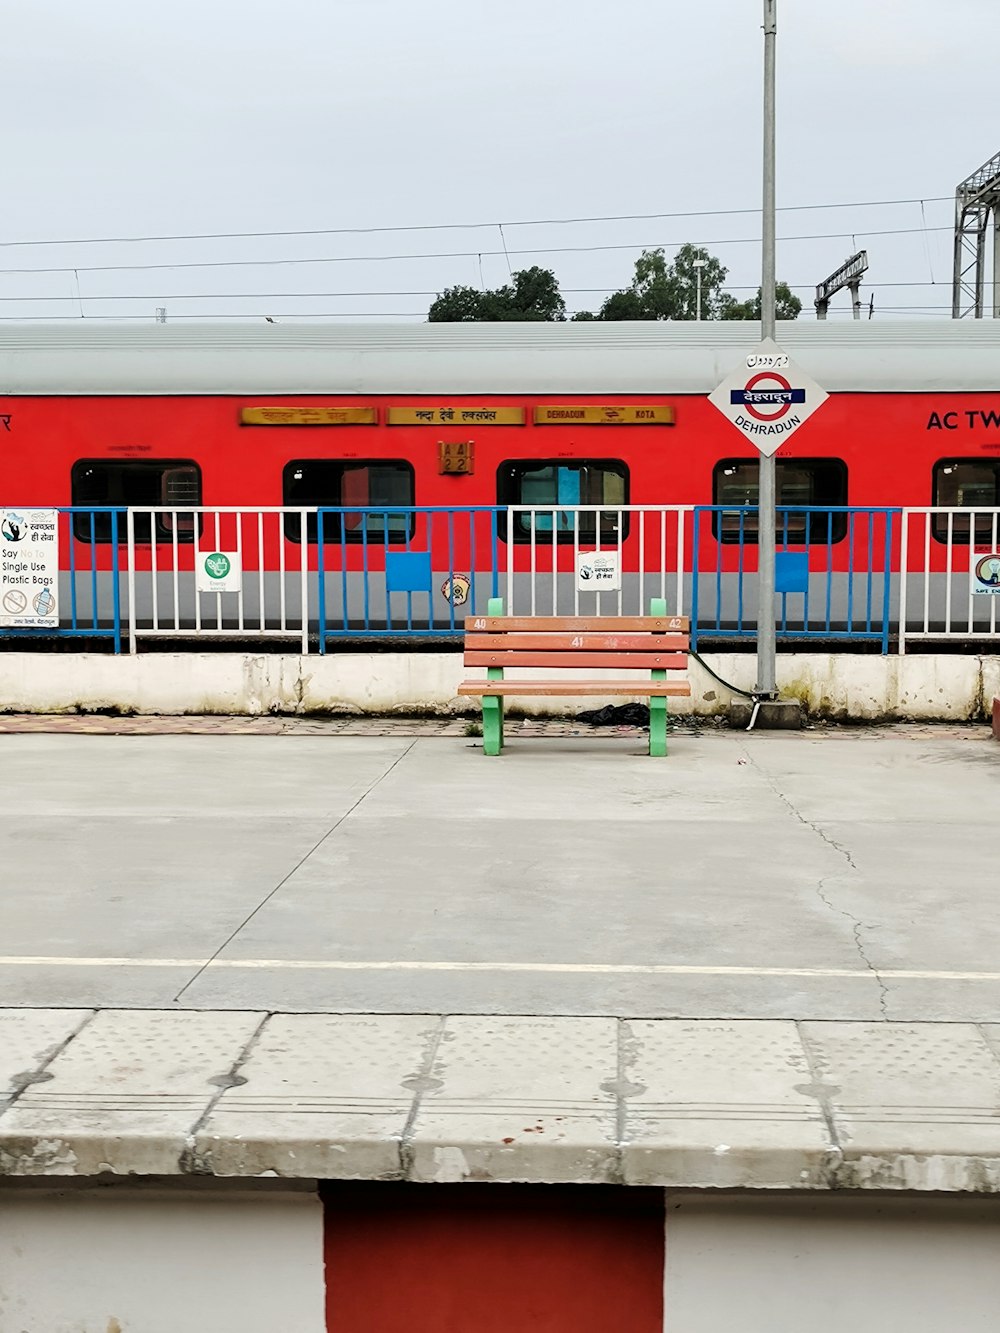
(747, 694)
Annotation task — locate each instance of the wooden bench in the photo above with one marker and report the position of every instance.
(657, 642)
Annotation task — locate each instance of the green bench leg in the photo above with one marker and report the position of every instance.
(658, 727)
(493, 704)
(492, 724)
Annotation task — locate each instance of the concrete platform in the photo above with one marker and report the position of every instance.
(430, 1098)
(769, 961)
(826, 875)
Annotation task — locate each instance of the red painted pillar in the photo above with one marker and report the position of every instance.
(996, 719)
(471, 1258)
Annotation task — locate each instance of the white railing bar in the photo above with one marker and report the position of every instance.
(927, 572)
(948, 569)
(154, 572)
(642, 563)
(197, 594)
(176, 572)
(282, 610)
(260, 563)
(304, 567)
(130, 546)
(621, 581)
(904, 548)
(239, 555)
(218, 595)
(681, 534)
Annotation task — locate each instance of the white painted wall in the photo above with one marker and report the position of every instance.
(127, 1260)
(832, 1265)
(837, 685)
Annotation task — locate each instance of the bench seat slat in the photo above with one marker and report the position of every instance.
(636, 643)
(589, 688)
(576, 661)
(576, 624)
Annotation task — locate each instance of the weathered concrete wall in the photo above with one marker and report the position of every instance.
(835, 685)
(766, 1264)
(116, 1260)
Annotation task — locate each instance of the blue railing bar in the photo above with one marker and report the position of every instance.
(341, 531)
(718, 584)
(451, 570)
(871, 542)
(695, 565)
(364, 579)
(829, 570)
(116, 599)
(320, 581)
(413, 509)
(365, 555)
(93, 567)
(739, 584)
(850, 571)
(887, 585)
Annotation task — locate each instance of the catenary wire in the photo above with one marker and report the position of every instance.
(469, 226)
(452, 254)
(312, 296)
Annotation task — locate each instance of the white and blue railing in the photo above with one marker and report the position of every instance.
(314, 576)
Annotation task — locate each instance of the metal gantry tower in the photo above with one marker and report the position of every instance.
(848, 275)
(976, 199)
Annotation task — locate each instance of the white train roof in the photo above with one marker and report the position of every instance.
(518, 359)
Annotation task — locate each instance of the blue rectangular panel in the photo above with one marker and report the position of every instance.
(407, 571)
(791, 571)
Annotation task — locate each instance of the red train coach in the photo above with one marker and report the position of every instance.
(475, 414)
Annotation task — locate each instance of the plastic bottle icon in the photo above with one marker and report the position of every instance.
(44, 602)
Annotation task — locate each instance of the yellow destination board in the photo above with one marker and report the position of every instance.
(591, 414)
(455, 416)
(307, 416)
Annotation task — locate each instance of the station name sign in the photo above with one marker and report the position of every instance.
(593, 414)
(308, 416)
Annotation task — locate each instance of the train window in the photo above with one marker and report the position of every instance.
(138, 483)
(551, 483)
(373, 484)
(799, 481)
(966, 483)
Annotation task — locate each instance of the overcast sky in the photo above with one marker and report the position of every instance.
(165, 117)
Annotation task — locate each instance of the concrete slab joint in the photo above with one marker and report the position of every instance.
(750, 1104)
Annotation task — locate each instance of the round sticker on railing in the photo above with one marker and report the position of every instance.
(985, 573)
(220, 571)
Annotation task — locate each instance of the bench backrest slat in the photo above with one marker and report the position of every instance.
(653, 643)
(586, 642)
(571, 661)
(576, 624)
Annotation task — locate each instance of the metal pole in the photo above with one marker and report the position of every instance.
(996, 261)
(698, 311)
(766, 672)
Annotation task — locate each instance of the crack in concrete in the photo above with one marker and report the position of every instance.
(420, 1083)
(857, 925)
(285, 878)
(823, 1092)
(191, 1162)
(20, 1083)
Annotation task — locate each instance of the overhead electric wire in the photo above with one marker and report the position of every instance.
(452, 254)
(470, 226)
(315, 296)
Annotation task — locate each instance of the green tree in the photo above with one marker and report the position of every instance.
(532, 294)
(669, 290)
(786, 305)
